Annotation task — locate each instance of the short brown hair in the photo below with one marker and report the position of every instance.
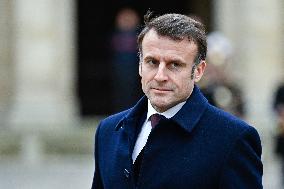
(176, 27)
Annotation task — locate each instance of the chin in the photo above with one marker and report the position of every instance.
(163, 106)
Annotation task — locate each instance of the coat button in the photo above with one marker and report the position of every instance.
(126, 173)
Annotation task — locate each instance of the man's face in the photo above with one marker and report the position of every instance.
(165, 69)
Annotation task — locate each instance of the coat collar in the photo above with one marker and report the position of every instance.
(134, 113)
(191, 112)
(187, 117)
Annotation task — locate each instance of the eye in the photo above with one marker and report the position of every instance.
(151, 62)
(175, 65)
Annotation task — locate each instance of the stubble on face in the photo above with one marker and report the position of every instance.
(163, 98)
(171, 87)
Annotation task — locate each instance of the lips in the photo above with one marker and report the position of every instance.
(161, 89)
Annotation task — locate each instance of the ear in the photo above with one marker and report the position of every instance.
(199, 71)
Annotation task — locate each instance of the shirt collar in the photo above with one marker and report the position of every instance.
(168, 114)
(187, 115)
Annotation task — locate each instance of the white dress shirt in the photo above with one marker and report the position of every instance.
(146, 127)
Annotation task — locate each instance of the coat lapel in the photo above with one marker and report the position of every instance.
(192, 111)
(132, 122)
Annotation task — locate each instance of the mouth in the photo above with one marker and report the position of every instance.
(161, 90)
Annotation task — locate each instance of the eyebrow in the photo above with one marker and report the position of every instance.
(149, 57)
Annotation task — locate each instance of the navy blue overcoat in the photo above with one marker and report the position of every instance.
(201, 147)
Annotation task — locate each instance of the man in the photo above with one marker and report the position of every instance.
(192, 144)
(124, 82)
(278, 107)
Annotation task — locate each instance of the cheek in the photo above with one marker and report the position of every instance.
(145, 78)
(185, 85)
(143, 83)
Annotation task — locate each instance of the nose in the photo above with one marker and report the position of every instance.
(161, 74)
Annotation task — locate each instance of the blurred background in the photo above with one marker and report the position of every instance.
(65, 65)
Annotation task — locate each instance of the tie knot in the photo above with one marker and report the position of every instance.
(155, 118)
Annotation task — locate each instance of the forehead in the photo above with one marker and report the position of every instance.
(154, 44)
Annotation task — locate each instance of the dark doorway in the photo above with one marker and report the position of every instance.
(95, 22)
